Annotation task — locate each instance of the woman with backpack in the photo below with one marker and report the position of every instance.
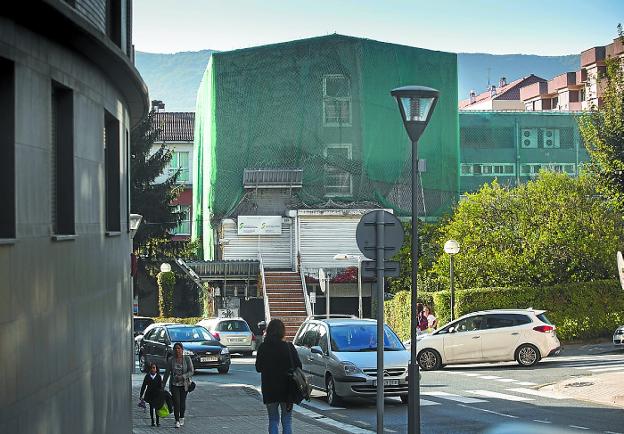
(274, 360)
(180, 369)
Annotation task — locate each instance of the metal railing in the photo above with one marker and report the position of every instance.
(265, 296)
(304, 286)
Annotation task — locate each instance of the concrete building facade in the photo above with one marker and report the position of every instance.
(69, 95)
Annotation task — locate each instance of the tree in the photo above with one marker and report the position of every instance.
(602, 130)
(552, 230)
(151, 200)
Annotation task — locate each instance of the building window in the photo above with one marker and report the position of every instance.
(62, 135)
(532, 169)
(337, 178)
(112, 173)
(336, 101)
(113, 21)
(7, 144)
(184, 227)
(488, 169)
(180, 161)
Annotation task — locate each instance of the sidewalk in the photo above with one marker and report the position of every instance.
(219, 408)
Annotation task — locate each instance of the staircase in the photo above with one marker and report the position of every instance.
(286, 300)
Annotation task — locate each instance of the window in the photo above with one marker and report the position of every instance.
(532, 169)
(323, 339)
(311, 337)
(488, 169)
(184, 227)
(62, 189)
(232, 326)
(7, 144)
(302, 331)
(497, 321)
(466, 169)
(112, 173)
(180, 161)
(469, 324)
(337, 178)
(336, 101)
(113, 21)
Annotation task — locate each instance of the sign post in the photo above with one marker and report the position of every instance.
(324, 283)
(379, 236)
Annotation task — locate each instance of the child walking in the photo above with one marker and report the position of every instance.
(150, 390)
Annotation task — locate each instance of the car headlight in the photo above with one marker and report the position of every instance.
(351, 369)
(224, 350)
(188, 353)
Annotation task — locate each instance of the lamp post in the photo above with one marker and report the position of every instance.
(416, 104)
(135, 222)
(345, 257)
(452, 248)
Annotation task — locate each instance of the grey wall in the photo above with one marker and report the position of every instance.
(65, 306)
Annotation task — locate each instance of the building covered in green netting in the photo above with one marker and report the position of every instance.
(513, 146)
(306, 133)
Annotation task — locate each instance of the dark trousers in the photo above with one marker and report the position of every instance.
(179, 401)
(153, 413)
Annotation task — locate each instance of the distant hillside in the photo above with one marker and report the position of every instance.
(472, 68)
(175, 78)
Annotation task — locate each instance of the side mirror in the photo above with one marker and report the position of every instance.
(452, 330)
(316, 350)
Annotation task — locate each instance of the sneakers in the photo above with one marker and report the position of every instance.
(181, 421)
(177, 424)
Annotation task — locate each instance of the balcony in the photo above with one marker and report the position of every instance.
(561, 81)
(273, 178)
(592, 55)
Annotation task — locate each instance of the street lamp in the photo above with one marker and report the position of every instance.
(135, 222)
(452, 248)
(416, 104)
(345, 257)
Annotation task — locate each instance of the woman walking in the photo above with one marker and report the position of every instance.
(151, 389)
(274, 359)
(180, 368)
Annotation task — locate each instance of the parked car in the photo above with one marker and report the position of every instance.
(233, 333)
(618, 336)
(140, 323)
(339, 356)
(138, 338)
(204, 349)
(524, 335)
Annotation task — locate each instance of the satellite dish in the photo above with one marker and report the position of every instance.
(322, 280)
(620, 265)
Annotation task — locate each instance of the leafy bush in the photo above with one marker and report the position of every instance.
(190, 320)
(166, 283)
(579, 310)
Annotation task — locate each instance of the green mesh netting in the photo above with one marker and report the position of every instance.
(322, 105)
(514, 146)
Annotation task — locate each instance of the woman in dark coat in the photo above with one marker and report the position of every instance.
(151, 389)
(273, 361)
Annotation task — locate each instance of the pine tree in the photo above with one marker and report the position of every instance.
(151, 200)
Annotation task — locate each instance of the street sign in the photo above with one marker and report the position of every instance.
(366, 235)
(312, 297)
(369, 269)
(322, 280)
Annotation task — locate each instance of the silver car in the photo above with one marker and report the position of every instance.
(618, 336)
(233, 333)
(339, 356)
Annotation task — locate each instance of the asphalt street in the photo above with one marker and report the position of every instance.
(474, 398)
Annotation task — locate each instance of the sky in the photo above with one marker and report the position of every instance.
(544, 27)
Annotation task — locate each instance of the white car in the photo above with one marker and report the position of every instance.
(234, 333)
(618, 336)
(501, 335)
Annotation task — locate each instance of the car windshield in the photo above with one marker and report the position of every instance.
(189, 334)
(232, 326)
(362, 337)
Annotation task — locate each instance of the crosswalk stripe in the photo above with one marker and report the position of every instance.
(526, 383)
(471, 374)
(534, 392)
(452, 397)
(490, 377)
(424, 402)
(611, 368)
(507, 380)
(491, 394)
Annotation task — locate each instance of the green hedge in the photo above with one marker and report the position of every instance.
(579, 310)
(189, 320)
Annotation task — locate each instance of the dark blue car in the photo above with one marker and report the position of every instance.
(205, 350)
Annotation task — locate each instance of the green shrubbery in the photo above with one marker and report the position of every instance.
(190, 320)
(166, 284)
(579, 310)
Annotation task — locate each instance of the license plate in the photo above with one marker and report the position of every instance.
(387, 382)
(208, 359)
(237, 340)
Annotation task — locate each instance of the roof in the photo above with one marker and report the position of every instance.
(501, 91)
(174, 126)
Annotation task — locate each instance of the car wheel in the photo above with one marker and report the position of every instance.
(142, 362)
(404, 399)
(332, 397)
(223, 369)
(527, 355)
(429, 360)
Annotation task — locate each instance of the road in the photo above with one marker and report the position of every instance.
(474, 398)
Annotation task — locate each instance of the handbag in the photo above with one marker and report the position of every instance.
(163, 411)
(299, 387)
(191, 386)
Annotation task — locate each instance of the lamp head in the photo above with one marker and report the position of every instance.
(451, 247)
(416, 104)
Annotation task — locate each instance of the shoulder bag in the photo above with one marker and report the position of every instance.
(298, 383)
